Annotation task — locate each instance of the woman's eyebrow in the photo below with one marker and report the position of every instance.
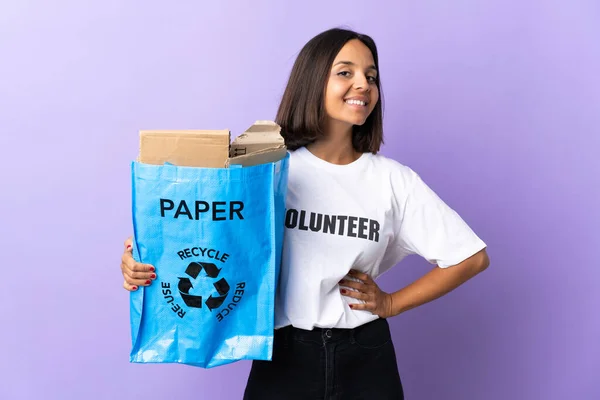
(370, 67)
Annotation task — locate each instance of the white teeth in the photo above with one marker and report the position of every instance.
(356, 102)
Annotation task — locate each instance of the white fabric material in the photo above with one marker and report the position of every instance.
(368, 216)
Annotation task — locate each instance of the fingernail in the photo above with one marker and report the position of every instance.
(351, 305)
(128, 246)
(153, 276)
(343, 291)
(152, 269)
(134, 288)
(148, 282)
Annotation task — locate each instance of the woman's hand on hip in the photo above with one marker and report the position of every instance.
(375, 300)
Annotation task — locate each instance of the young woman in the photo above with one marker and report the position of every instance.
(351, 215)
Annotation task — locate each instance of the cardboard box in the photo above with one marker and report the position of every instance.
(259, 144)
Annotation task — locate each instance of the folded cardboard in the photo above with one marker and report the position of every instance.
(189, 148)
(259, 144)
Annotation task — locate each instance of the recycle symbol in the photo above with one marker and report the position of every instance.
(193, 270)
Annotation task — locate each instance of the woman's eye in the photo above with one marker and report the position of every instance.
(372, 79)
(344, 73)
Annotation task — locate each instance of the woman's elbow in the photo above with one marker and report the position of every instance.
(482, 261)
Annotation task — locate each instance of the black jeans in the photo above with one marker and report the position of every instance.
(328, 364)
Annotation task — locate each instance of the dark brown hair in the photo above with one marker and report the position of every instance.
(301, 113)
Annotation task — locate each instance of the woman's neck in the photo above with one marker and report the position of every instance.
(336, 145)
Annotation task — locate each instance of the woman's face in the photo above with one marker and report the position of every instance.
(351, 92)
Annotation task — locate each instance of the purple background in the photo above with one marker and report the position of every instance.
(496, 104)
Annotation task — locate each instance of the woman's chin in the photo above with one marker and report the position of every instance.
(358, 121)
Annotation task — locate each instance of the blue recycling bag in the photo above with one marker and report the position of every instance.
(215, 237)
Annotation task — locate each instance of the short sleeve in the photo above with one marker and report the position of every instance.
(430, 228)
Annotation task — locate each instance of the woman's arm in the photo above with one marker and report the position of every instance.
(430, 286)
(437, 283)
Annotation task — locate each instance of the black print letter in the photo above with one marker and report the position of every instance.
(215, 210)
(352, 226)
(342, 219)
(362, 227)
(201, 210)
(183, 209)
(165, 205)
(329, 225)
(315, 227)
(374, 231)
(302, 225)
(291, 218)
(233, 209)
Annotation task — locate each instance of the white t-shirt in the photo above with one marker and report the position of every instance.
(368, 216)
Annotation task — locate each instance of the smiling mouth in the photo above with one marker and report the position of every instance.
(356, 102)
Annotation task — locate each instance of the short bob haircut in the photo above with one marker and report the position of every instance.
(301, 113)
